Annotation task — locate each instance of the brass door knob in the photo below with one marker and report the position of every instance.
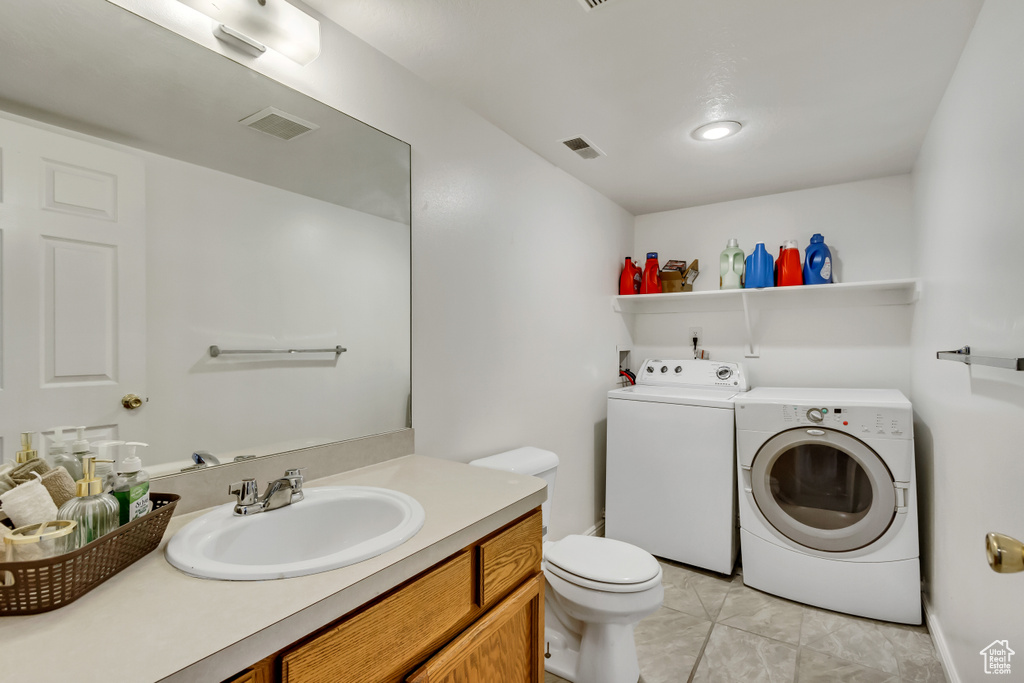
(1005, 554)
(131, 401)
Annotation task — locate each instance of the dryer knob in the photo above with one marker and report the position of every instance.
(815, 415)
(679, 368)
(650, 369)
(664, 369)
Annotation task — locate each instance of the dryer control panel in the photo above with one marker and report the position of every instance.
(693, 373)
(862, 421)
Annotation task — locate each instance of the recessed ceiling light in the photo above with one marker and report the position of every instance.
(716, 130)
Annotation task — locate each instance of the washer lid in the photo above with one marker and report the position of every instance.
(708, 398)
(602, 559)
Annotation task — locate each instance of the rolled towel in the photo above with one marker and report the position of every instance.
(24, 471)
(6, 483)
(6, 467)
(28, 503)
(60, 485)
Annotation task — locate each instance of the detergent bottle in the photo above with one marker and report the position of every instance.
(731, 266)
(817, 262)
(650, 283)
(788, 270)
(629, 281)
(760, 268)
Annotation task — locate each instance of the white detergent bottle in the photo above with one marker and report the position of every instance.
(108, 458)
(132, 487)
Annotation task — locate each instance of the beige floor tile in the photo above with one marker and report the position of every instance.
(859, 642)
(668, 644)
(692, 591)
(552, 678)
(815, 667)
(765, 615)
(735, 656)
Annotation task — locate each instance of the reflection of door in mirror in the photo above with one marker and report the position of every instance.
(72, 234)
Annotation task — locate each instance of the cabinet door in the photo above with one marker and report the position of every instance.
(504, 646)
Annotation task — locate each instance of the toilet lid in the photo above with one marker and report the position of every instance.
(602, 559)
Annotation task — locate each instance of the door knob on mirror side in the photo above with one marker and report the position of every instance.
(131, 401)
(1005, 554)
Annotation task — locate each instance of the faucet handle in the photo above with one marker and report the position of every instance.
(247, 491)
(294, 476)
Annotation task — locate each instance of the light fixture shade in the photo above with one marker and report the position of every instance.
(716, 130)
(280, 26)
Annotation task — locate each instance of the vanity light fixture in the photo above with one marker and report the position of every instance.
(716, 130)
(256, 25)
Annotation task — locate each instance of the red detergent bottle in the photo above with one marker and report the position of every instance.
(651, 283)
(789, 270)
(629, 280)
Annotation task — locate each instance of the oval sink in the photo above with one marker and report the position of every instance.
(334, 526)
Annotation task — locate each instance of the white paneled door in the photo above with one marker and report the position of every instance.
(72, 287)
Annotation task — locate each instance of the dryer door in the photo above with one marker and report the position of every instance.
(823, 489)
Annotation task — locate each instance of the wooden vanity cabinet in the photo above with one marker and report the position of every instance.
(476, 617)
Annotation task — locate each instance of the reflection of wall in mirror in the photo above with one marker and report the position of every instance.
(243, 265)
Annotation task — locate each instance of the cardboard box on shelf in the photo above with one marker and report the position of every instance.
(677, 276)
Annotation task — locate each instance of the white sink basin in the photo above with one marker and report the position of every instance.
(333, 527)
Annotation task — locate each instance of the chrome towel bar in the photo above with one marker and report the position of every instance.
(217, 351)
(964, 356)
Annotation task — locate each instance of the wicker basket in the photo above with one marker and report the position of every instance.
(44, 585)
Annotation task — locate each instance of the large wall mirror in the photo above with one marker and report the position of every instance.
(143, 220)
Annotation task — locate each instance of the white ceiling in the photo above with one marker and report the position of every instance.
(827, 91)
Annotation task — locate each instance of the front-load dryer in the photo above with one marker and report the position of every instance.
(828, 499)
(671, 468)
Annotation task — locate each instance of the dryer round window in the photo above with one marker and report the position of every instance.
(823, 489)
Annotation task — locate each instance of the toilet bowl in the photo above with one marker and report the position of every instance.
(597, 589)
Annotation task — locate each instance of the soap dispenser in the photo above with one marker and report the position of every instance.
(27, 452)
(95, 512)
(132, 487)
(59, 456)
(79, 450)
(108, 454)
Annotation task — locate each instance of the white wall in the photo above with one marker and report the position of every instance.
(869, 228)
(244, 265)
(513, 266)
(970, 421)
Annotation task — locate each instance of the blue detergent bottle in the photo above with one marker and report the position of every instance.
(760, 268)
(817, 262)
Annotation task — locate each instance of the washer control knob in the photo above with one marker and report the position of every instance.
(679, 368)
(815, 415)
(650, 369)
(724, 372)
(664, 369)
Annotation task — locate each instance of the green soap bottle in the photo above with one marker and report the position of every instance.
(132, 488)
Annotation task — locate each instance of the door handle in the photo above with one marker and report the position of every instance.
(1005, 554)
(131, 401)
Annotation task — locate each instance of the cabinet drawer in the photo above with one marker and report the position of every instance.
(384, 641)
(509, 557)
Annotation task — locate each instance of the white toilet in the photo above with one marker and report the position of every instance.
(597, 589)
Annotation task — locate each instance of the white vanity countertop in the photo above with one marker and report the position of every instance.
(154, 623)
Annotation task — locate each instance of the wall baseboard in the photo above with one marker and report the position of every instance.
(939, 641)
(596, 530)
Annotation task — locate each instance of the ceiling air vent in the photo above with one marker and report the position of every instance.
(593, 4)
(278, 123)
(583, 147)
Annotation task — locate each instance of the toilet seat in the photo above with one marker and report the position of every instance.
(602, 564)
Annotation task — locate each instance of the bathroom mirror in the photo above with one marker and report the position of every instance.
(250, 242)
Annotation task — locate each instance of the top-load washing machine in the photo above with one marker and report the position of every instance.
(671, 462)
(828, 499)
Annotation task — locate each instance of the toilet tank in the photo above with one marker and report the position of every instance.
(535, 462)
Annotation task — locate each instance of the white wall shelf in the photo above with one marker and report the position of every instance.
(843, 294)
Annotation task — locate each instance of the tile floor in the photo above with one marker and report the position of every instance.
(713, 629)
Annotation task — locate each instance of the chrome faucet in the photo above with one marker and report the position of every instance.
(280, 492)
